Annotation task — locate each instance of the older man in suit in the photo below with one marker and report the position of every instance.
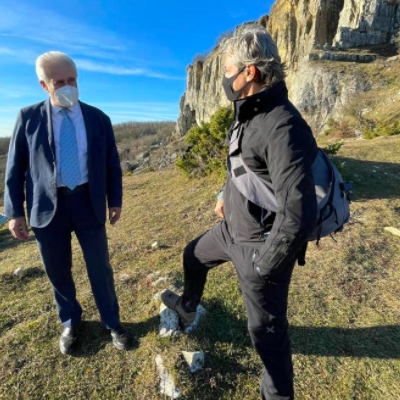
(63, 151)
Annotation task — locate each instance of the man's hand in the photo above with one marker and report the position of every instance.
(219, 208)
(113, 214)
(18, 228)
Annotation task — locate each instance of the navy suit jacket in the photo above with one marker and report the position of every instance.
(31, 165)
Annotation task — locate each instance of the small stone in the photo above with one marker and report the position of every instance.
(392, 230)
(195, 360)
(153, 274)
(155, 245)
(169, 322)
(167, 384)
(124, 277)
(19, 272)
(200, 314)
(159, 280)
(157, 296)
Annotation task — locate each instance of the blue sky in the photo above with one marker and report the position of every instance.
(131, 55)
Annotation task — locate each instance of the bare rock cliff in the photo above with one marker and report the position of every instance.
(315, 37)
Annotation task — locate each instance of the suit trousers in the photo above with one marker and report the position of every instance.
(265, 300)
(75, 214)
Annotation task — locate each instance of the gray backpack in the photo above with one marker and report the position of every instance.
(333, 194)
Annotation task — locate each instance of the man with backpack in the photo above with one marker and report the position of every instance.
(269, 141)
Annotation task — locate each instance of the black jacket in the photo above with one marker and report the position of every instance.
(279, 147)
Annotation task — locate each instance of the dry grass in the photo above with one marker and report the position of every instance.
(375, 112)
(344, 304)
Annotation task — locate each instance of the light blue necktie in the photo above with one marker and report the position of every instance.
(70, 172)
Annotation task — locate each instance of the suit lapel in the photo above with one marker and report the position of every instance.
(86, 113)
(46, 115)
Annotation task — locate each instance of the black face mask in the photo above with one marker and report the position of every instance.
(227, 83)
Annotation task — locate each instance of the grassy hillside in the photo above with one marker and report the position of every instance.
(344, 304)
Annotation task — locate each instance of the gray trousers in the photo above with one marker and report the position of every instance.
(265, 301)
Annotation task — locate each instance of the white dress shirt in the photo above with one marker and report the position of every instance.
(75, 114)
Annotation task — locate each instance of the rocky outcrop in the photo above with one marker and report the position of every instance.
(367, 22)
(204, 93)
(323, 91)
(310, 34)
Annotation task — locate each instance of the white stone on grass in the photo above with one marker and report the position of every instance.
(167, 384)
(157, 296)
(169, 322)
(393, 230)
(195, 360)
(155, 245)
(153, 275)
(159, 280)
(200, 313)
(19, 272)
(124, 277)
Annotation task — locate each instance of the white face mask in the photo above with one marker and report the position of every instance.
(67, 95)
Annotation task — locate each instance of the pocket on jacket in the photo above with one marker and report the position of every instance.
(272, 261)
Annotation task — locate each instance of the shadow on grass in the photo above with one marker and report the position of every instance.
(371, 342)
(7, 241)
(381, 342)
(372, 180)
(223, 337)
(92, 336)
(9, 282)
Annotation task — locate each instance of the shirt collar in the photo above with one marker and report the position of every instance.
(56, 109)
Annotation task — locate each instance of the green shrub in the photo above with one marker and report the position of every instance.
(207, 152)
(382, 130)
(333, 148)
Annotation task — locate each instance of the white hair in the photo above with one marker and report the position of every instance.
(51, 57)
(251, 44)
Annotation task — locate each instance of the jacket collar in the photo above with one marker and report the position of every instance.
(250, 106)
(47, 116)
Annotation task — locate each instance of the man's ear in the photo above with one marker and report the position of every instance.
(251, 73)
(43, 84)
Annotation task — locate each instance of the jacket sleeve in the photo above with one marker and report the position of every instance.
(114, 172)
(17, 164)
(289, 153)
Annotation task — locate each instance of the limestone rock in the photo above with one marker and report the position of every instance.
(302, 28)
(169, 322)
(195, 360)
(201, 313)
(167, 384)
(124, 277)
(367, 22)
(19, 272)
(393, 230)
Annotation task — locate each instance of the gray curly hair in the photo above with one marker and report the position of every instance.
(251, 44)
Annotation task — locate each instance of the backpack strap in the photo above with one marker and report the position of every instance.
(322, 216)
(253, 188)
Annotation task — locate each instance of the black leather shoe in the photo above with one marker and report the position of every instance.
(120, 338)
(68, 339)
